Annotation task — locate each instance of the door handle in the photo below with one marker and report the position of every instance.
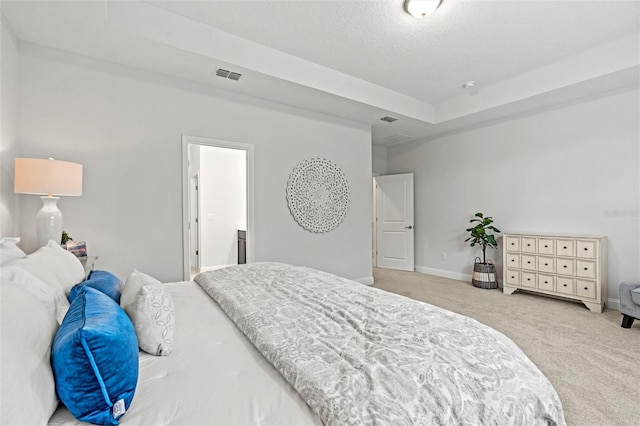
(408, 227)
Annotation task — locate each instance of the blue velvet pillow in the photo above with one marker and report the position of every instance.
(104, 281)
(95, 359)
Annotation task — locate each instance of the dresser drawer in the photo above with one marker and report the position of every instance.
(565, 285)
(565, 266)
(513, 260)
(585, 269)
(528, 245)
(586, 249)
(586, 288)
(528, 279)
(512, 277)
(528, 262)
(546, 264)
(565, 247)
(545, 246)
(545, 282)
(512, 244)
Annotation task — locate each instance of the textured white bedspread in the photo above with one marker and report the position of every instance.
(359, 355)
(214, 376)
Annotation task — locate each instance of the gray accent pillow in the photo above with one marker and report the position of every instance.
(150, 309)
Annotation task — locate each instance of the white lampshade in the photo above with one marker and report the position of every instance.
(50, 177)
(47, 177)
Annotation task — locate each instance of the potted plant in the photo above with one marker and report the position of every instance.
(484, 273)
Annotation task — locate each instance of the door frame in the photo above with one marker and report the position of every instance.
(196, 140)
(194, 219)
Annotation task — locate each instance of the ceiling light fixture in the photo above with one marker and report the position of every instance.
(421, 8)
(469, 85)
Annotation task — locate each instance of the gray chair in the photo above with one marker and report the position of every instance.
(629, 303)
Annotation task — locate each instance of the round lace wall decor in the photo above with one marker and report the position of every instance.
(318, 194)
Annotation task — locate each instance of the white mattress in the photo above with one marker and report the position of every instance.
(214, 376)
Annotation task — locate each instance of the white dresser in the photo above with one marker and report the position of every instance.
(568, 266)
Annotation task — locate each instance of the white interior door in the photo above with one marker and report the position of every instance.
(394, 222)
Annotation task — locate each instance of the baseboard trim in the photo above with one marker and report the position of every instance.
(364, 280)
(613, 304)
(443, 273)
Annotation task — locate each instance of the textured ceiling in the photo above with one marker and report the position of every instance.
(487, 41)
(361, 60)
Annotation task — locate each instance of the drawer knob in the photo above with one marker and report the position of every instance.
(564, 266)
(546, 264)
(545, 246)
(564, 285)
(528, 279)
(586, 269)
(585, 249)
(528, 245)
(586, 288)
(528, 261)
(512, 276)
(565, 247)
(546, 282)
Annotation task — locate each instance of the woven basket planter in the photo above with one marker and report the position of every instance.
(484, 275)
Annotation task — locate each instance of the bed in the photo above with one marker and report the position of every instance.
(275, 344)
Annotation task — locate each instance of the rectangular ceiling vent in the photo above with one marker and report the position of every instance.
(228, 74)
(389, 119)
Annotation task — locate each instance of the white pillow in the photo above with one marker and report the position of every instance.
(57, 267)
(27, 329)
(10, 251)
(38, 288)
(150, 309)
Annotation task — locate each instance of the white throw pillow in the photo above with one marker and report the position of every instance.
(10, 251)
(28, 393)
(57, 267)
(150, 308)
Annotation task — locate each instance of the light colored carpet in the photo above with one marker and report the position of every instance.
(592, 362)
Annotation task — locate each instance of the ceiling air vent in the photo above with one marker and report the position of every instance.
(228, 74)
(389, 119)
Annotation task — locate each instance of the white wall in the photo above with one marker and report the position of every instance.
(125, 127)
(9, 206)
(574, 170)
(223, 204)
(379, 154)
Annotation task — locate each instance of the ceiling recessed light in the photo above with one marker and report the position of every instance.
(469, 85)
(421, 8)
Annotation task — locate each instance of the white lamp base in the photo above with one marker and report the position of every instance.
(49, 221)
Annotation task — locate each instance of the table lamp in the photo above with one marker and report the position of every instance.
(49, 178)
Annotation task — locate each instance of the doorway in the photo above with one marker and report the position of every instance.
(217, 203)
(394, 222)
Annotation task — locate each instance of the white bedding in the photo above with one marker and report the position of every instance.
(219, 377)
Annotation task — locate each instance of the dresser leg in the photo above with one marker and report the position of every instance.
(508, 290)
(627, 321)
(593, 307)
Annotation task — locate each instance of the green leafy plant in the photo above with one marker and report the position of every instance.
(479, 235)
(65, 238)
